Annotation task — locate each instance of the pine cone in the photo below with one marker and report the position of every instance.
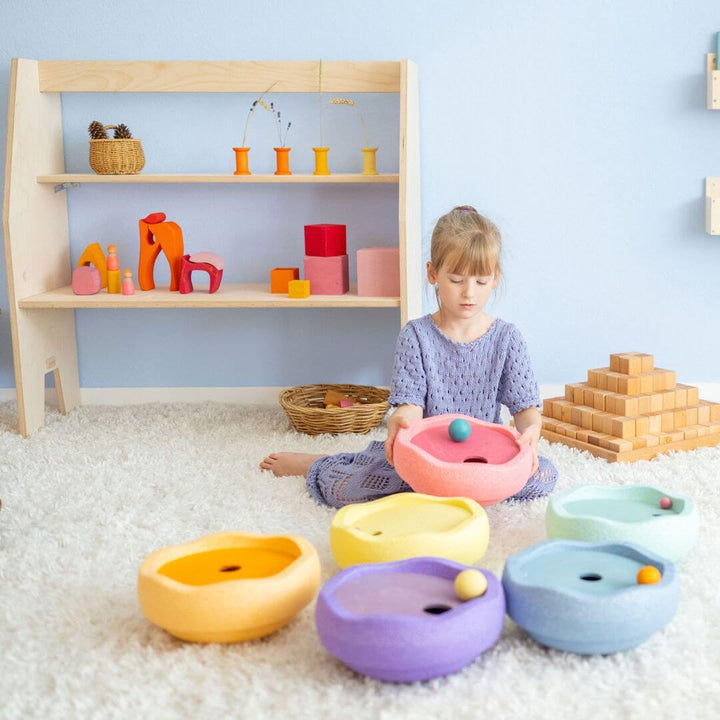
(97, 131)
(122, 132)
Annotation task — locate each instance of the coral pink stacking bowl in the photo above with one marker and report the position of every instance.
(488, 467)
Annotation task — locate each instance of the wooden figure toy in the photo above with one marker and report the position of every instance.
(113, 270)
(94, 255)
(208, 262)
(128, 286)
(157, 235)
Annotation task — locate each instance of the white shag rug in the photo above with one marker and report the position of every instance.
(87, 498)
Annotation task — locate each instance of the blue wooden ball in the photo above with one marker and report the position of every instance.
(459, 430)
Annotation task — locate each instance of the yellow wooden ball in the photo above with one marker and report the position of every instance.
(470, 584)
(648, 575)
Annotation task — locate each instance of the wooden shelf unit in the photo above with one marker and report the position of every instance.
(712, 206)
(204, 178)
(249, 295)
(35, 215)
(712, 75)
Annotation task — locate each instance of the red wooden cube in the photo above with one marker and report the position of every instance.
(325, 240)
(327, 275)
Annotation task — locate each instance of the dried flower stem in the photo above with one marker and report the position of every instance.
(352, 103)
(320, 102)
(253, 107)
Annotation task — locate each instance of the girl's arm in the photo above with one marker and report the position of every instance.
(401, 418)
(528, 423)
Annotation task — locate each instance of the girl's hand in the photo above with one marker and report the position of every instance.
(395, 422)
(531, 436)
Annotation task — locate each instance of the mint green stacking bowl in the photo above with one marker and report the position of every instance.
(598, 513)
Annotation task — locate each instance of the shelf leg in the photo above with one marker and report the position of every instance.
(45, 342)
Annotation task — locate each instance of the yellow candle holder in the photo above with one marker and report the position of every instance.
(369, 167)
(241, 161)
(321, 161)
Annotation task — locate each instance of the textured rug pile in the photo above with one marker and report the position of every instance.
(87, 498)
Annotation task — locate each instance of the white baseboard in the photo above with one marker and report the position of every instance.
(240, 395)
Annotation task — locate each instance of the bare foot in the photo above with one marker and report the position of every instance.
(289, 463)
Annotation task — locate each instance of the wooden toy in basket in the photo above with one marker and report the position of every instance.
(310, 410)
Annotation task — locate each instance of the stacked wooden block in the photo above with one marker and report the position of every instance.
(631, 410)
(326, 260)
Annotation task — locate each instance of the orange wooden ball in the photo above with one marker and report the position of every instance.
(648, 575)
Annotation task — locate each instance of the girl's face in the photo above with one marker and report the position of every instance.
(462, 296)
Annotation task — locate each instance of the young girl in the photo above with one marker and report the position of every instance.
(457, 360)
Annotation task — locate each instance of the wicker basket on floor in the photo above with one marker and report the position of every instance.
(304, 407)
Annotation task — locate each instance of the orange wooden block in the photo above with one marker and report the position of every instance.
(93, 255)
(567, 429)
(626, 363)
(156, 235)
(714, 412)
(581, 435)
(691, 416)
(581, 416)
(549, 424)
(622, 427)
(680, 418)
(656, 402)
(676, 435)
(638, 442)
(613, 379)
(280, 277)
(664, 379)
(651, 440)
(690, 433)
(566, 413)
(557, 406)
(299, 288)
(547, 407)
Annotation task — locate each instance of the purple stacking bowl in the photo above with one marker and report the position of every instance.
(402, 621)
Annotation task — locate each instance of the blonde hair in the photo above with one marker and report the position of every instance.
(466, 243)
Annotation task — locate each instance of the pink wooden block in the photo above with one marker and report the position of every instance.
(327, 275)
(378, 271)
(86, 280)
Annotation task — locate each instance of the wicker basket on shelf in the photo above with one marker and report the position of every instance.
(116, 156)
(304, 406)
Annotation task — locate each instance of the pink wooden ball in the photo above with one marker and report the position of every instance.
(665, 503)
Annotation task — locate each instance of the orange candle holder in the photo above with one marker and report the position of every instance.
(369, 167)
(282, 157)
(321, 161)
(241, 161)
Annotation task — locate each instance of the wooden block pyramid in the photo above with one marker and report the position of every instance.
(631, 411)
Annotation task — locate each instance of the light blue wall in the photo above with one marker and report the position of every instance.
(579, 127)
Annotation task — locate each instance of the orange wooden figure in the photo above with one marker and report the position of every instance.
(157, 235)
(93, 255)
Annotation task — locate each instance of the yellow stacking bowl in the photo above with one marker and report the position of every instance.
(228, 587)
(408, 525)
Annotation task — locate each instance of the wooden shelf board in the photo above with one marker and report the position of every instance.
(358, 178)
(646, 453)
(230, 295)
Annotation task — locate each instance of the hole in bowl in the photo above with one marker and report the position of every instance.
(437, 609)
(475, 460)
(230, 568)
(591, 577)
(377, 532)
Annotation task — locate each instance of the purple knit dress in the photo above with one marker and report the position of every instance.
(442, 376)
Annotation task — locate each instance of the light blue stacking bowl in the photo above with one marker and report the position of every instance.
(584, 597)
(598, 513)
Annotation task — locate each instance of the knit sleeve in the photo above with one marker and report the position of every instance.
(409, 384)
(518, 388)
